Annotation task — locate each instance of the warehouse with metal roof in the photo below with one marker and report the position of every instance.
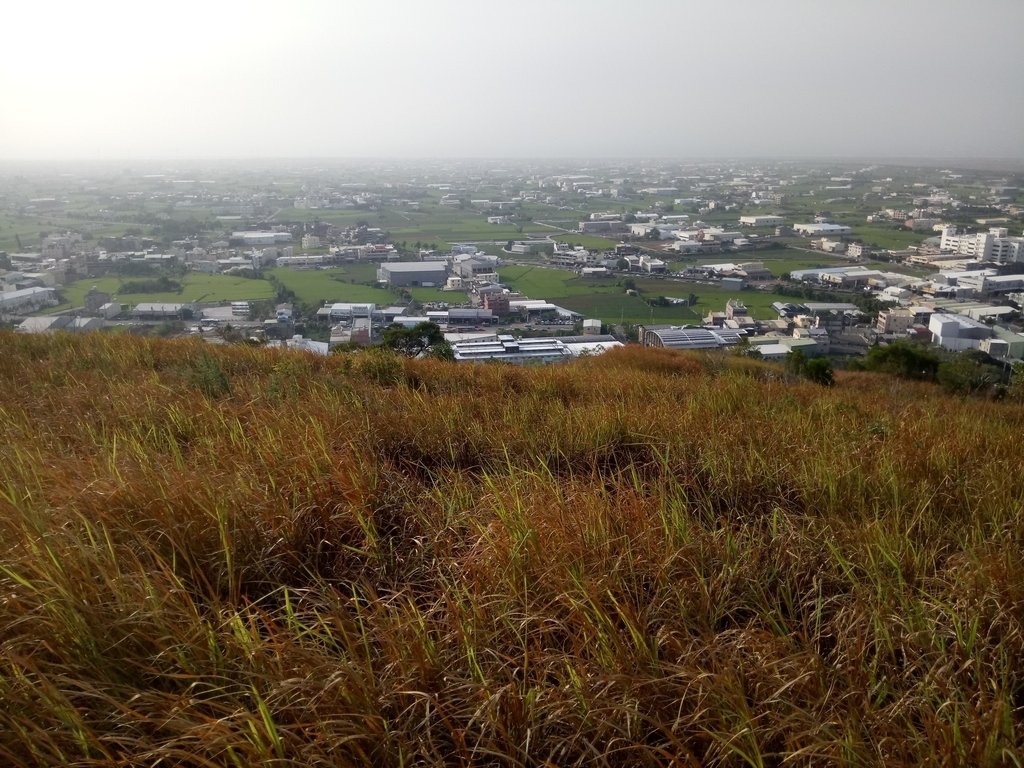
(675, 337)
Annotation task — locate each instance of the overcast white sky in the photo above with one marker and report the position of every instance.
(520, 78)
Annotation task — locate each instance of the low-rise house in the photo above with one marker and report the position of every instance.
(831, 246)
(818, 335)
(496, 302)
(835, 317)
(471, 268)
(652, 265)
(899, 322)
(858, 250)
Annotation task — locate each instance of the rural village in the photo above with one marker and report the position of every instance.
(539, 264)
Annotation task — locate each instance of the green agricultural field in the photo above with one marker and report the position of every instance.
(888, 237)
(362, 272)
(315, 286)
(424, 295)
(587, 241)
(759, 303)
(621, 307)
(606, 299)
(472, 230)
(544, 282)
(341, 218)
(11, 228)
(196, 286)
(443, 226)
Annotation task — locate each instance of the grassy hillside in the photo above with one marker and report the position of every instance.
(235, 556)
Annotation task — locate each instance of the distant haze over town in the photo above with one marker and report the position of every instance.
(793, 79)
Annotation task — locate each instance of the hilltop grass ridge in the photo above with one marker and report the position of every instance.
(240, 556)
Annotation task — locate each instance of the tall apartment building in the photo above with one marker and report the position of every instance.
(994, 245)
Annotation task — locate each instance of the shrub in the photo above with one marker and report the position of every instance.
(906, 359)
(208, 377)
(819, 370)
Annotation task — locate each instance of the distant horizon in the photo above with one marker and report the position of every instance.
(978, 163)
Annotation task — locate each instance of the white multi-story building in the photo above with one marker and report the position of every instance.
(858, 250)
(995, 245)
(956, 332)
(1007, 250)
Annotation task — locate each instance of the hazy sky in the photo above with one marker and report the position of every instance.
(447, 78)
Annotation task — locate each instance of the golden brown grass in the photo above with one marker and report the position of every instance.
(242, 556)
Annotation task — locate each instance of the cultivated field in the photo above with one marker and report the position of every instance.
(196, 286)
(605, 298)
(315, 286)
(236, 556)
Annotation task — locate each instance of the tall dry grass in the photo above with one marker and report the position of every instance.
(237, 556)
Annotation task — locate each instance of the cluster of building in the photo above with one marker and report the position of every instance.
(807, 327)
(955, 326)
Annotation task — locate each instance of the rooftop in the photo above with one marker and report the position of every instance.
(415, 266)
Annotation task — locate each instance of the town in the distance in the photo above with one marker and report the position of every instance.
(524, 261)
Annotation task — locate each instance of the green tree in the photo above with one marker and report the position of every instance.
(1015, 391)
(819, 371)
(969, 373)
(744, 348)
(905, 359)
(442, 351)
(796, 362)
(422, 338)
